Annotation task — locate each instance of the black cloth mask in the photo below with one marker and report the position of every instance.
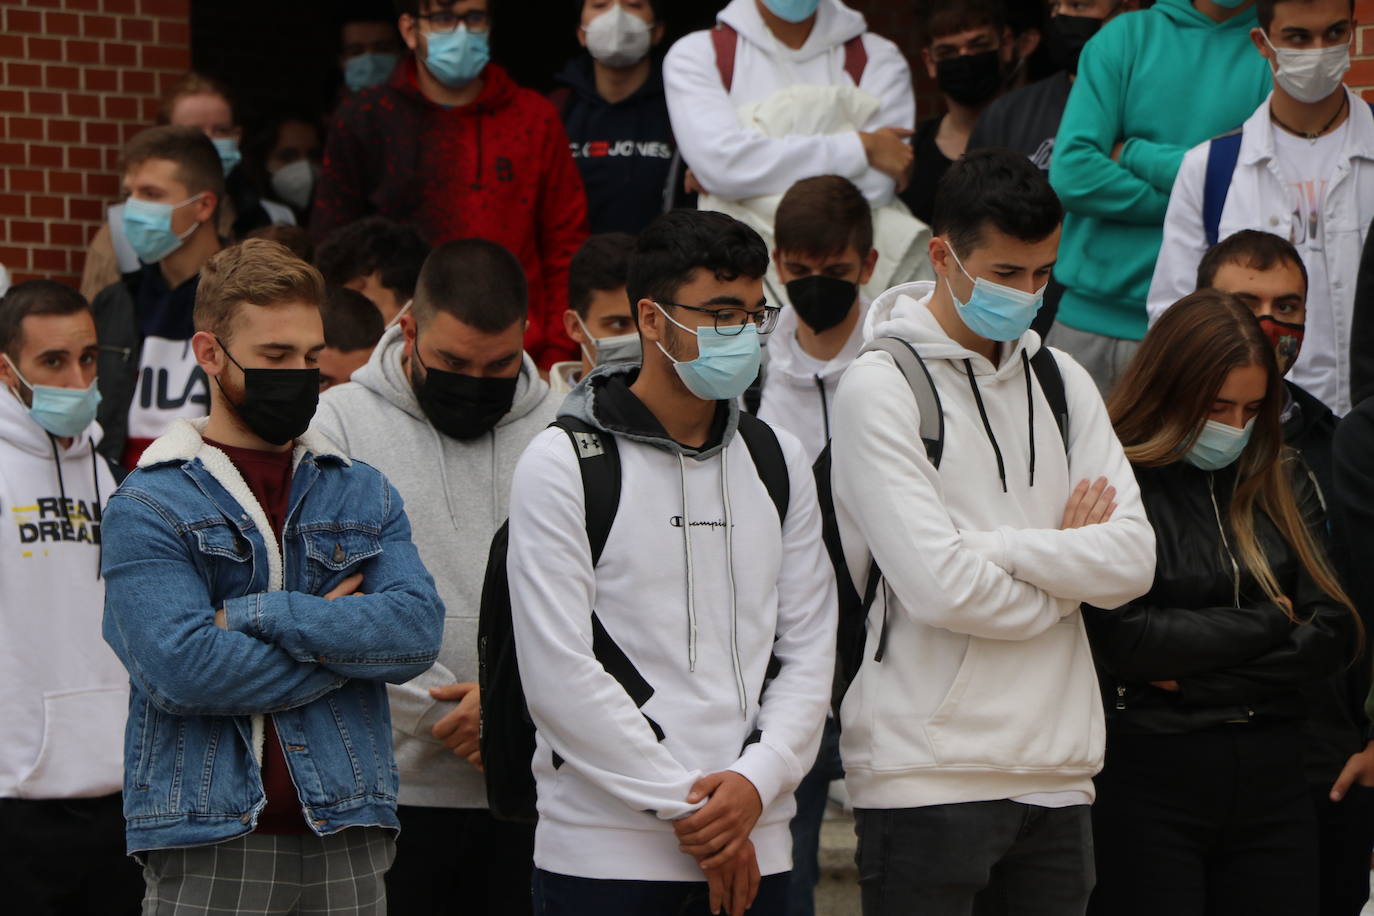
(461, 406)
(1065, 38)
(970, 79)
(822, 302)
(277, 404)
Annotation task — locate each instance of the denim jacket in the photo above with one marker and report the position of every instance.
(183, 537)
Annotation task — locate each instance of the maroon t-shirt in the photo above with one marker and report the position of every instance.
(268, 475)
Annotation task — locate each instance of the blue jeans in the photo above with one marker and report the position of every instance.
(811, 798)
(562, 895)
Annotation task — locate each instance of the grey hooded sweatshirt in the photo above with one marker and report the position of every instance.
(456, 495)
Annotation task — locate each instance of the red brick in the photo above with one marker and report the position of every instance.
(100, 26)
(118, 6)
(83, 106)
(47, 207)
(66, 182)
(26, 180)
(1361, 73)
(137, 81)
(128, 129)
(49, 157)
(11, 101)
(112, 156)
(18, 74)
(63, 77)
(11, 46)
(165, 82)
(26, 128)
(121, 108)
(83, 52)
(17, 20)
(62, 24)
(73, 235)
(115, 54)
(44, 48)
(50, 259)
(45, 102)
(81, 208)
(135, 29)
(98, 79)
(150, 109)
(173, 32)
(60, 131)
(102, 184)
(82, 4)
(85, 157)
(23, 231)
(97, 132)
(44, 2)
(14, 204)
(172, 9)
(12, 154)
(14, 258)
(156, 57)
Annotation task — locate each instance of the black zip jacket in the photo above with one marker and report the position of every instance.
(1354, 473)
(1205, 622)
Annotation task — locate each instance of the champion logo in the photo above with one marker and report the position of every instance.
(676, 522)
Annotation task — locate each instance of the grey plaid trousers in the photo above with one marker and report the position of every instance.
(264, 875)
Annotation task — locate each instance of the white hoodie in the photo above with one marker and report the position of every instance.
(987, 689)
(64, 693)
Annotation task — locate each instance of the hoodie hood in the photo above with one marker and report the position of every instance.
(497, 88)
(603, 400)
(835, 24)
(1182, 13)
(23, 432)
(385, 376)
(904, 312)
(784, 353)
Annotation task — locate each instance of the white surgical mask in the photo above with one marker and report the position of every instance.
(622, 348)
(295, 182)
(1310, 75)
(617, 38)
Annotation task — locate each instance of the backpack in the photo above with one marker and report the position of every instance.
(854, 607)
(506, 731)
(1222, 155)
(725, 40)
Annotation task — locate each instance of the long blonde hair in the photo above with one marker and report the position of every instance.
(1160, 405)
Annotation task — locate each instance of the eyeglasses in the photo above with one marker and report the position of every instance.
(446, 21)
(730, 321)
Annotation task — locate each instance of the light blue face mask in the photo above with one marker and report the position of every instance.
(725, 363)
(148, 227)
(1219, 445)
(368, 70)
(456, 58)
(995, 311)
(792, 10)
(229, 155)
(64, 412)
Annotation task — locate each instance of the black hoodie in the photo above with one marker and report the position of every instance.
(624, 150)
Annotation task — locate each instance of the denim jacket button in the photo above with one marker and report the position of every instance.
(338, 553)
(246, 819)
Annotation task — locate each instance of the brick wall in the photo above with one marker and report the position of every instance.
(79, 78)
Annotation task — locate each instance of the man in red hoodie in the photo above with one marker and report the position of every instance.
(452, 145)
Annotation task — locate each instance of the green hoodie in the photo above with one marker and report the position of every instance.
(1165, 79)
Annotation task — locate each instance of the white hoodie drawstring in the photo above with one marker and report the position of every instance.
(687, 546)
(730, 570)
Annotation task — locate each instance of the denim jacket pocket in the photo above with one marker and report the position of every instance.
(335, 551)
(220, 539)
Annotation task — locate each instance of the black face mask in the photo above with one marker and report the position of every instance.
(822, 302)
(278, 404)
(970, 79)
(461, 406)
(1065, 38)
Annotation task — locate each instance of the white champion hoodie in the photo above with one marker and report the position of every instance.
(986, 690)
(698, 584)
(64, 693)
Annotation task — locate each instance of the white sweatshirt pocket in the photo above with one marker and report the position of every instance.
(82, 753)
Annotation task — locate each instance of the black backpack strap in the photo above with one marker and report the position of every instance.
(599, 461)
(766, 451)
(1052, 384)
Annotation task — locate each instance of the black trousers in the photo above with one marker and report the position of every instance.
(1205, 824)
(460, 861)
(1346, 836)
(66, 858)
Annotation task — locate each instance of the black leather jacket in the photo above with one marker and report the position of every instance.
(1205, 622)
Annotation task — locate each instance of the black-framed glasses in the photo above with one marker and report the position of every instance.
(731, 320)
(445, 21)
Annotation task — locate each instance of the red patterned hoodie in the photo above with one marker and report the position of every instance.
(498, 169)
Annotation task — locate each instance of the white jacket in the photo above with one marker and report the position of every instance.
(1258, 198)
(64, 693)
(698, 585)
(987, 689)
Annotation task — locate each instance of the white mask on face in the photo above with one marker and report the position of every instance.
(1310, 75)
(294, 183)
(617, 38)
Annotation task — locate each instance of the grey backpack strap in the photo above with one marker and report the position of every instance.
(914, 370)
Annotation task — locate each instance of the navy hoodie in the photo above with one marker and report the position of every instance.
(624, 150)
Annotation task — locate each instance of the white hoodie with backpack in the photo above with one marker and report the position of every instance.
(986, 689)
(64, 693)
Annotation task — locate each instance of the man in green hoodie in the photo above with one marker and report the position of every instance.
(1150, 86)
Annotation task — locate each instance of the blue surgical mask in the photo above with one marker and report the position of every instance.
(995, 311)
(1219, 445)
(368, 70)
(64, 412)
(725, 363)
(456, 58)
(229, 155)
(148, 227)
(792, 10)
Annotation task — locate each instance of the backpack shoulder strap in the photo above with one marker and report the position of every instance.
(766, 451)
(914, 369)
(1052, 384)
(1222, 154)
(725, 39)
(855, 58)
(599, 461)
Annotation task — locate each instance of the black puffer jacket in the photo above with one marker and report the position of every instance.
(1205, 622)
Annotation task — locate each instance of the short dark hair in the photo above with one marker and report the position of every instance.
(393, 251)
(950, 17)
(1251, 248)
(254, 272)
(413, 7)
(192, 83)
(995, 187)
(351, 321)
(198, 164)
(295, 238)
(476, 281)
(681, 241)
(823, 216)
(602, 263)
(34, 297)
(1264, 10)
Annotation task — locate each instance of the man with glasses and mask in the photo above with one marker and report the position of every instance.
(665, 755)
(444, 408)
(451, 145)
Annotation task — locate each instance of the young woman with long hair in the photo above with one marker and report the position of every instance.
(1202, 805)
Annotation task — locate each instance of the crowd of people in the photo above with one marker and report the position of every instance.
(489, 502)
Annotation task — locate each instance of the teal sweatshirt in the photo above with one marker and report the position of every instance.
(1164, 80)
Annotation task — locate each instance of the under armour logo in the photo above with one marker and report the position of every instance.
(588, 445)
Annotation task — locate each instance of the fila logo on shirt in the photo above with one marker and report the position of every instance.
(676, 522)
(597, 149)
(59, 519)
